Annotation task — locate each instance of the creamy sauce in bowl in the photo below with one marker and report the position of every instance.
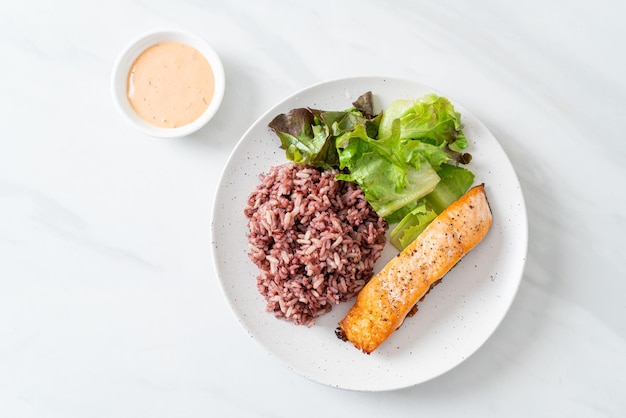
(170, 84)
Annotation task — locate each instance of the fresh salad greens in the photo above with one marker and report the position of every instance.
(405, 158)
(308, 135)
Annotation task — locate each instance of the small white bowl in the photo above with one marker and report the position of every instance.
(129, 55)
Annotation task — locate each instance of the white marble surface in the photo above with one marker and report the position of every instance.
(109, 303)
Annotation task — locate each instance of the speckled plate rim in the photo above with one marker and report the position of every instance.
(456, 318)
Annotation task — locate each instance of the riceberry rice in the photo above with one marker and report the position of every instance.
(314, 238)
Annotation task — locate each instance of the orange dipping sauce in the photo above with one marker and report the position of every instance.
(170, 84)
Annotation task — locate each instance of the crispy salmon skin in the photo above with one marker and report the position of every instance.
(383, 304)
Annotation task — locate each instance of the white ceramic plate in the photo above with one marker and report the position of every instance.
(458, 315)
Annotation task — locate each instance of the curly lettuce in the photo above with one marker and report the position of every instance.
(405, 159)
(308, 135)
(431, 120)
(392, 173)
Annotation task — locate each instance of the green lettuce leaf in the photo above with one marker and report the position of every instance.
(411, 226)
(391, 172)
(308, 135)
(412, 219)
(304, 140)
(455, 181)
(433, 121)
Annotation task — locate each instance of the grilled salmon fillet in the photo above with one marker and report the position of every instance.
(383, 304)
